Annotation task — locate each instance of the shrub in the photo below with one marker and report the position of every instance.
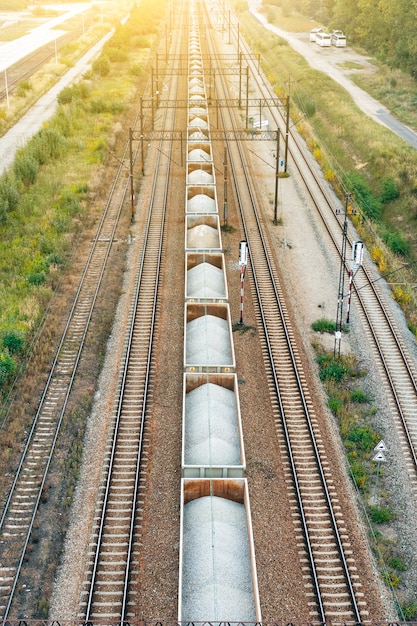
(103, 105)
(101, 66)
(409, 611)
(335, 404)
(380, 515)
(359, 473)
(7, 367)
(36, 278)
(23, 88)
(397, 563)
(358, 396)
(324, 326)
(335, 370)
(116, 55)
(396, 242)
(368, 202)
(389, 191)
(136, 69)
(13, 341)
(9, 196)
(363, 437)
(48, 144)
(74, 93)
(26, 168)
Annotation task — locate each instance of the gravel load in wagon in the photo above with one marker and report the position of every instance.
(203, 236)
(200, 177)
(198, 135)
(197, 122)
(201, 203)
(196, 81)
(206, 281)
(196, 89)
(197, 111)
(208, 342)
(199, 154)
(216, 568)
(211, 427)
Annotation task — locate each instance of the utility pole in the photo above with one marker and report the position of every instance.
(225, 188)
(276, 183)
(132, 190)
(340, 296)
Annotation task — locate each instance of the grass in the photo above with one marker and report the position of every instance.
(352, 408)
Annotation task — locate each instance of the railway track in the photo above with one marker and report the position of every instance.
(22, 503)
(107, 593)
(395, 364)
(329, 568)
(23, 70)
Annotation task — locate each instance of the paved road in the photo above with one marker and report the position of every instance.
(13, 51)
(329, 60)
(30, 123)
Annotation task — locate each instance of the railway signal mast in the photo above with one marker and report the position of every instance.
(243, 261)
(355, 264)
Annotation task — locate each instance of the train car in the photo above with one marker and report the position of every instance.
(217, 569)
(202, 233)
(202, 199)
(208, 338)
(212, 436)
(205, 277)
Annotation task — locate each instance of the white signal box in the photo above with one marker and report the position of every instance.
(357, 253)
(243, 254)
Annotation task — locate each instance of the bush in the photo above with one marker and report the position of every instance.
(13, 341)
(23, 88)
(26, 168)
(380, 515)
(136, 69)
(7, 367)
(101, 66)
(333, 371)
(389, 191)
(358, 396)
(9, 196)
(74, 93)
(48, 144)
(396, 243)
(368, 202)
(335, 404)
(116, 55)
(103, 105)
(36, 278)
(363, 437)
(324, 326)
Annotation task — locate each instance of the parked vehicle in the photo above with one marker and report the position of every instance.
(323, 39)
(338, 39)
(314, 32)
